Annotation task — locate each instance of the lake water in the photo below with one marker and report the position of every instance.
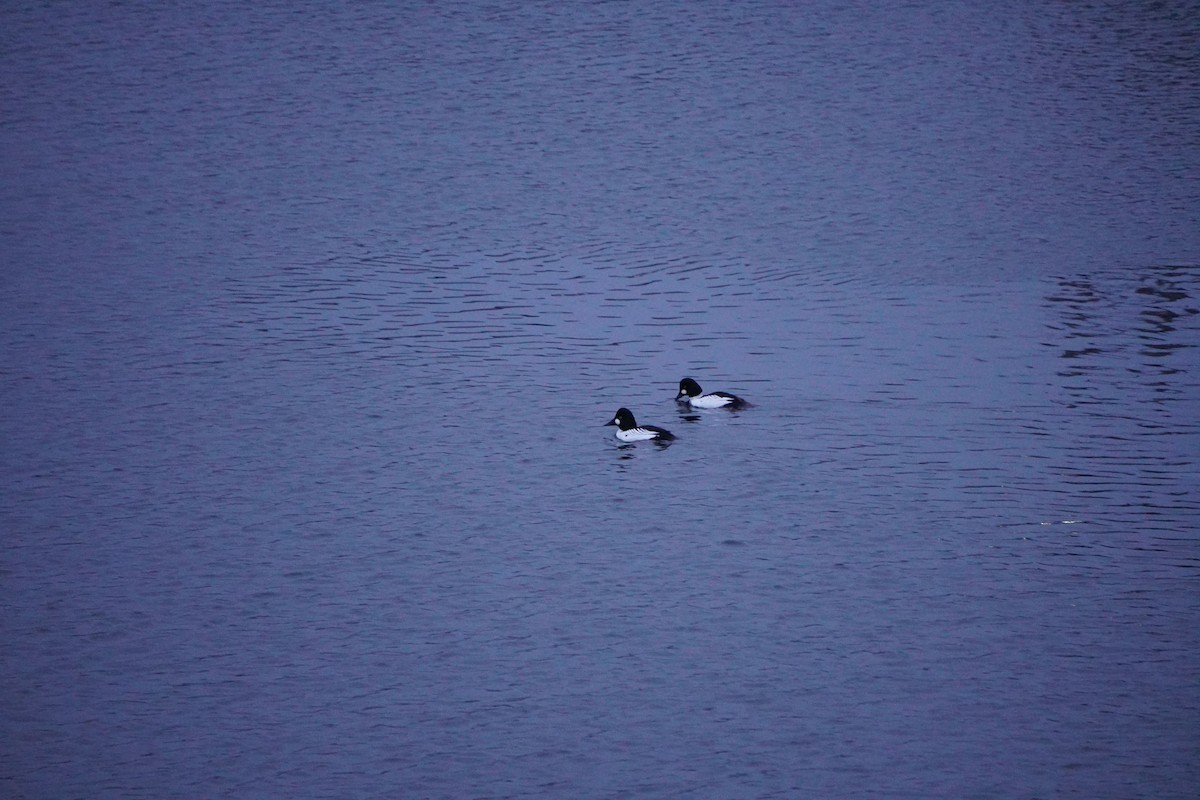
(311, 317)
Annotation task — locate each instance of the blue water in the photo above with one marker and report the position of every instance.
(311, 317)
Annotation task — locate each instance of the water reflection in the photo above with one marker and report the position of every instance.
(1120, 324)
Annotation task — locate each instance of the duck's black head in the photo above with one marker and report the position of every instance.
(688, 388)
(623, 419)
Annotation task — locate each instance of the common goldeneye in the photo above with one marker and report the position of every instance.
(629, 431)
(691, 393)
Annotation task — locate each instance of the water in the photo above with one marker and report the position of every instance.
(312, 318)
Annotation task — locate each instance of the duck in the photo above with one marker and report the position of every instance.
(691, 394)
(629, 431)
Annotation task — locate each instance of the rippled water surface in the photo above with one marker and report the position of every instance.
(310, 320)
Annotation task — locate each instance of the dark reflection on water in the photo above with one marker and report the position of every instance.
(1160, 298)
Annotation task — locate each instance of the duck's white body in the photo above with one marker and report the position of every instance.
(691, 393)
(629, 431)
